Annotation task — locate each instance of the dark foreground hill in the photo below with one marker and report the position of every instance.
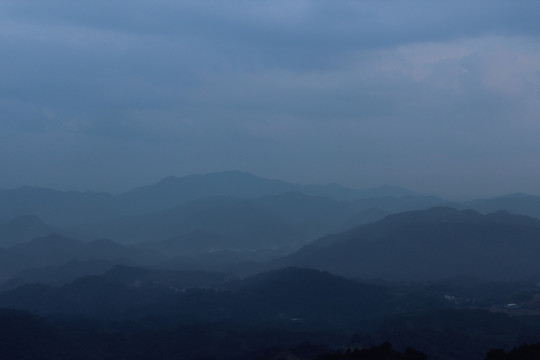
(430, 245)
(26, 336)
(298, 298)
(134, 313)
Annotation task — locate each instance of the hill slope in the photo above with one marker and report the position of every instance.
(293, 297)
(55, 250)
(430, 245)
(23, 229)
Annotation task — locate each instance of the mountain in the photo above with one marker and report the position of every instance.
(58, 275)
(205, 225)
(385, 191)
(313, 216)
(23, 229)
(299, 298)
(122, 291)
(393, 204)
(26, 336)
(173, 191)
(430, 245)
(365, 216)
(55, 250)
(311, 297)
(284, 221)
(517, 203)
(68, 208)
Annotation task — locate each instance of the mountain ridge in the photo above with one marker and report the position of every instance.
(430, 245)
(68, 208)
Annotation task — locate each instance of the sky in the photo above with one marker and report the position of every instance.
(440, 97)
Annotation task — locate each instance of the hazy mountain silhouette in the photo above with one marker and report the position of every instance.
(430, 245)
(224, 223)
(67, 208)
(517, 203)
(365, 216)
(173, 191)
(23, 229)
(393, 204)
(313, 216)
(59, 275)
(55, 250)
(284, 221)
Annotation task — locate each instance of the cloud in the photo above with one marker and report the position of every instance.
(417, 93)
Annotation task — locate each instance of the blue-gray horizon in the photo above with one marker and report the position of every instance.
(436, 97)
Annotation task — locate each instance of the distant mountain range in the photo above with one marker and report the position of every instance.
(70, 208)
(234, 260)
(425, 245)
(219, 220)
(173, 191)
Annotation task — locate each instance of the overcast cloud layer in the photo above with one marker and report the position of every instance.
(437, 96)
